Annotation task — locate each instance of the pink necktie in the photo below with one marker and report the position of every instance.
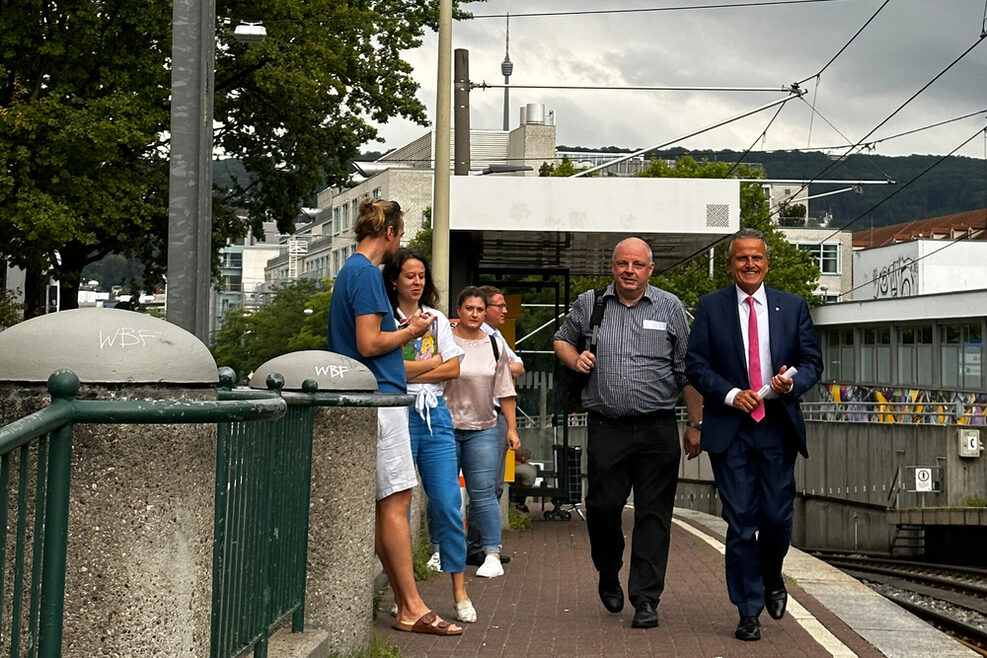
(754, 358)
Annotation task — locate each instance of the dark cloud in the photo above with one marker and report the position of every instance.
(905, 46)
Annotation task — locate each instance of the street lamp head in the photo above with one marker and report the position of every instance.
(250, 32)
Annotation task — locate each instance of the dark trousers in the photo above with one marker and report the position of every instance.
(755, 478)
(639, 454)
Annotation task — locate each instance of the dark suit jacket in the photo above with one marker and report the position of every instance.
(716, 360)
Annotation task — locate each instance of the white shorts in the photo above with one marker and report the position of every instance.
(395, 466)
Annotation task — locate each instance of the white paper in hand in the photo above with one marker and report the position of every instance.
(767, 393)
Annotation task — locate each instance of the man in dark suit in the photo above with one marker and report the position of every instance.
(745, 343)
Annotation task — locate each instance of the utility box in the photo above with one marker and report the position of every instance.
(969, 442)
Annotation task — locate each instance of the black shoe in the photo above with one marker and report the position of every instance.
(645, 615)
(749, 629)
(476, 559)
(611, 593)
(776, 599)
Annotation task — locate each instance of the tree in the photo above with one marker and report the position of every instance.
(423, 238)
(564, 168)
(10, 310)
(84, 118)
(295, 319)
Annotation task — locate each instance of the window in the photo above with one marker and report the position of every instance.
(376, 194)
(346, 217)
(915, 356)
(827, 256)
(960, 349)
(335, 220)
(875, 356)
(839, 357)
(355, 212)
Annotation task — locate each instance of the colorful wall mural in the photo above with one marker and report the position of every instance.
(903, 405)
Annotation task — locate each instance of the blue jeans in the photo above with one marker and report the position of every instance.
(479, 454)
(436, 456)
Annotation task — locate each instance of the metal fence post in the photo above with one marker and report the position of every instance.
(63, 386)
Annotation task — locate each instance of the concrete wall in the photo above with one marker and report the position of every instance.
(844, 487)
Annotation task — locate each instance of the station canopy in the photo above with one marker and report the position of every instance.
(574, 223)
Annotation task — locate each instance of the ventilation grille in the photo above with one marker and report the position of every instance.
(717, 215)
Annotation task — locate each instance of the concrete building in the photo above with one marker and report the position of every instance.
(833, 251)
(919, 267)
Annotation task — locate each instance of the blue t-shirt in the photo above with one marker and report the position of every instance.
(359, 290)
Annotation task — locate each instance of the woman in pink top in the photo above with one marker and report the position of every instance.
(482, 377)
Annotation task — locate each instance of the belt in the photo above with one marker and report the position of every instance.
(633, 418)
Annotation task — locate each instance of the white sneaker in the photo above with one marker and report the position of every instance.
(491, 567)
(465, 611)
(434, 563)
(394, 610)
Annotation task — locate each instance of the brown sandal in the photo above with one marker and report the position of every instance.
(430, 624)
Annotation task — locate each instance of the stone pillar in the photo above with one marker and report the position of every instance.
(140, 530)
(342, 565)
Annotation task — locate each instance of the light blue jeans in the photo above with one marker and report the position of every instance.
(479, 456)
(436, 455)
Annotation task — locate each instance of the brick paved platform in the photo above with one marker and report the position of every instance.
(546, 605)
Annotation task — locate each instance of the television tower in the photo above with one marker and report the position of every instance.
(506, 67)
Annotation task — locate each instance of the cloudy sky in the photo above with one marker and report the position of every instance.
(740, 44)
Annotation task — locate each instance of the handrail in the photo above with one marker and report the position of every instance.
(311, 395)
(64, 385)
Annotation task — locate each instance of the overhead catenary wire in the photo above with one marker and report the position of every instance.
(489, 85)
(643, 10)
(793, 93)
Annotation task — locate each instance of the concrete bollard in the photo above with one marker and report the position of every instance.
(342, 565)
(139, 553)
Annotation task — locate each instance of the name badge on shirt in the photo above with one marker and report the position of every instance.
(654, 324)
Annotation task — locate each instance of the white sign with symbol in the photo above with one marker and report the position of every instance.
(923, 479)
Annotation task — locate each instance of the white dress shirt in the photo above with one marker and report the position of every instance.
(763, 335)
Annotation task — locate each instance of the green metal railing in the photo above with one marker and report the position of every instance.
(35, 464)
(263, 483)
(263, 473)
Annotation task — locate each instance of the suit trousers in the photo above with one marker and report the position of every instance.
(755, 478)
(638, 454)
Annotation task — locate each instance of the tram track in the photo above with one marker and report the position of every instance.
(952, 598)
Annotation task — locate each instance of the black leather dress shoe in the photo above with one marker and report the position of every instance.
(776, 600)
(611, 594)
(645, 615)
(749, 629)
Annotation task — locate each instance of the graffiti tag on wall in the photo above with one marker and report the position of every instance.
(898, 279)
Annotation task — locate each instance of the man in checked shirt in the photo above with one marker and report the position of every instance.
(635, 374)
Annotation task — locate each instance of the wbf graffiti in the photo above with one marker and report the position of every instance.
(905, 405)
(898, 279)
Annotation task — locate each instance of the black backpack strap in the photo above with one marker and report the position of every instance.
(496, 348)
(596, 318)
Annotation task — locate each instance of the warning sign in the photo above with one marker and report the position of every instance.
(923, 479)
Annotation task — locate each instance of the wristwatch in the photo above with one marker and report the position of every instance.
(696, 426)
